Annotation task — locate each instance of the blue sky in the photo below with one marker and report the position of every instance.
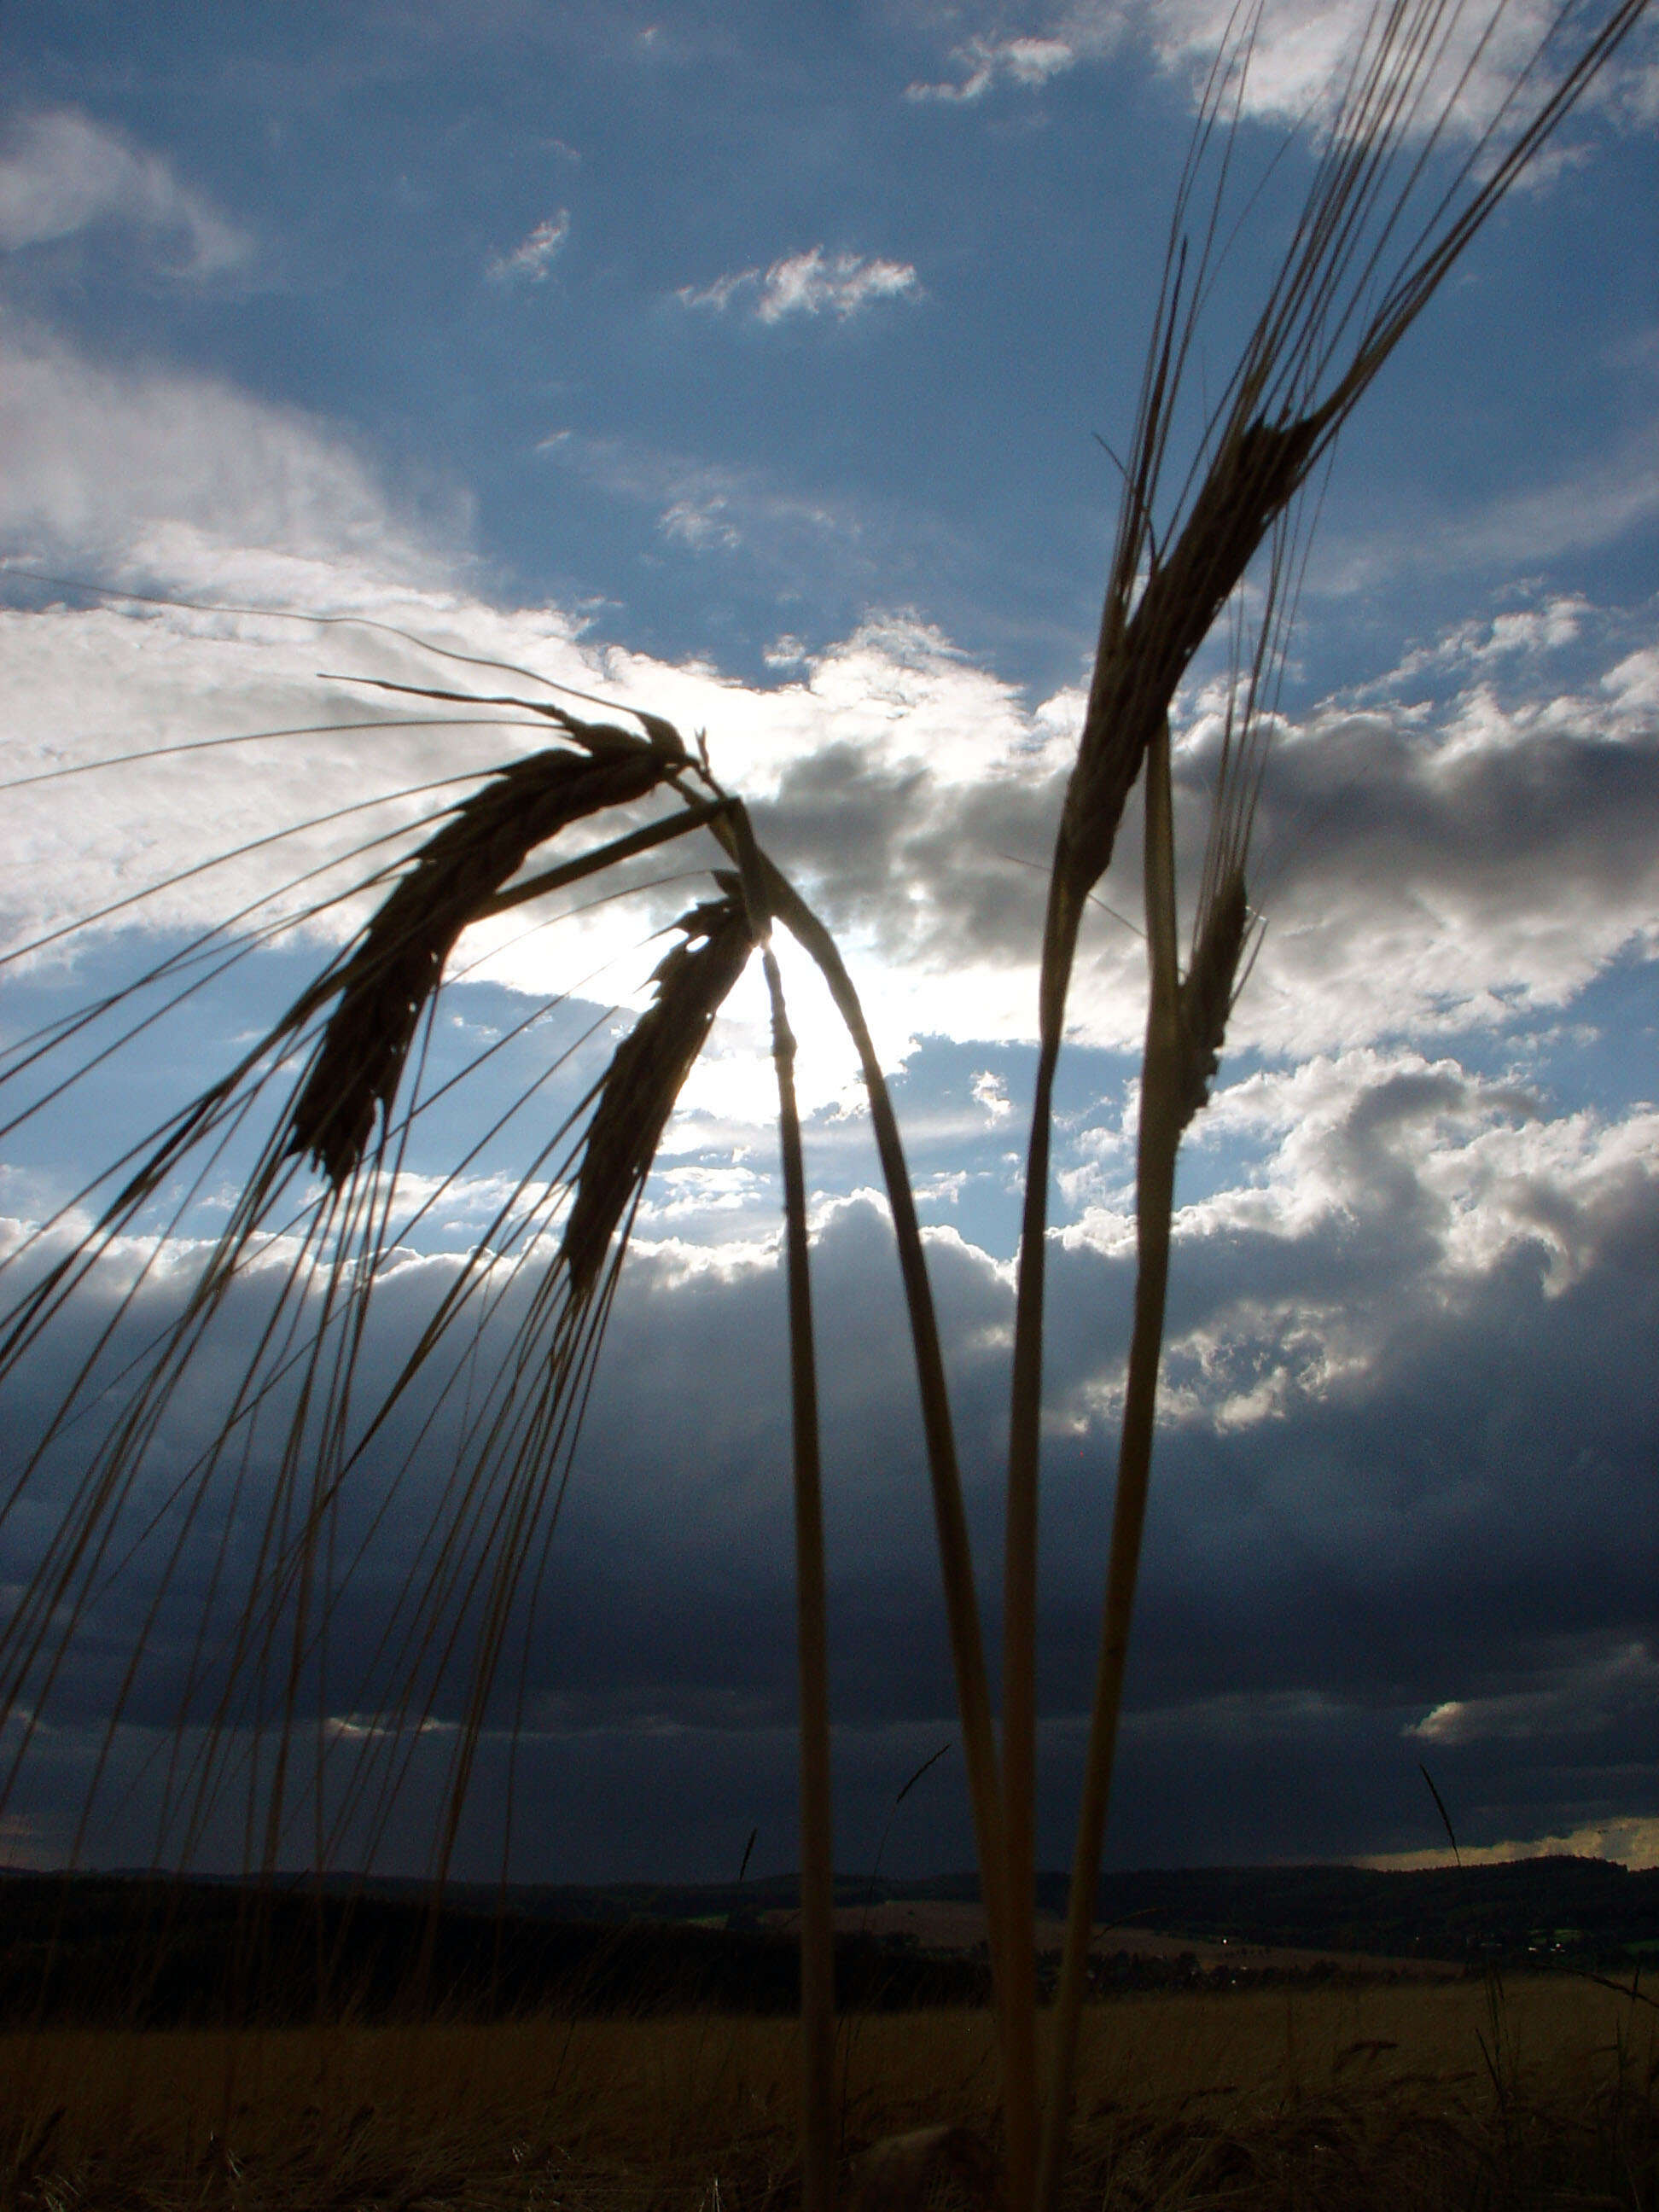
(753, 366)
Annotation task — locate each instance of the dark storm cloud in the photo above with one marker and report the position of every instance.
(1505, 855)
(1406, 1483)
(1417, 863)
(931, 868)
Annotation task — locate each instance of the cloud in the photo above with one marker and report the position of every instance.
(1386, 1189)
(1482, 641)
(114, 465)
(1581, 510)
(813, 282)
(1580, 1699)
(529, 261)
(718, 295)
(991, 1092)
(1424, 869)
(1453, 1526)
(1631, 1842)
(985, 61)
(713, 507)
(1464, 849)
(1301, 55)
(61, 173)
(1596, 507)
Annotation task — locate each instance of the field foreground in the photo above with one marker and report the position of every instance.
(1538, 2094)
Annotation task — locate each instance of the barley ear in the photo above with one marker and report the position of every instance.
(1206, 993)
(646, 1074)
(387, 983)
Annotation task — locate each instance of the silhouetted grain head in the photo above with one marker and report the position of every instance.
(1371, 247)
(647, 1074)
(660, 735)
(1208, 990)
(603, 738)
(389, 979)
(1257, 469)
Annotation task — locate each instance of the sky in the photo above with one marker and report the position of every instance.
(764, 368)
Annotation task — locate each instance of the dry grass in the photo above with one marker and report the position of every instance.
(1373, 2097)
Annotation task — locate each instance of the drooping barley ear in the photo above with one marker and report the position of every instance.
(647, 1074)
(387, 981)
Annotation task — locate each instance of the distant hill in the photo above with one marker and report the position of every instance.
(1590, 1906)
(106, 1948)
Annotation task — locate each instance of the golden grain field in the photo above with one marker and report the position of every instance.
(1384, 2096)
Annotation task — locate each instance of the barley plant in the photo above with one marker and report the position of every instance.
(313, 1123)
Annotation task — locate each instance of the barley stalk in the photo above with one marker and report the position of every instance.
(1286, 401)
(950, 1514)
(817, 1895)
(1185, 1024)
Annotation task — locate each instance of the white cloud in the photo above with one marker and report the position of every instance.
(710, 507)
(62, 173)
(1421, 869)
(985, 61)
(1594, 507)
(1426, 869)
(813, 282)
(990, 1091)
(1632, 1841)
(701, 522)
(1367, 1199)
(1582, 510)
(1481, 643)
(529, 260)
(809, 283)
(1469, 1170)
(118, 464)
(1480, 878)
(1566, 1701)
(1302, 52)
(720, 294)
